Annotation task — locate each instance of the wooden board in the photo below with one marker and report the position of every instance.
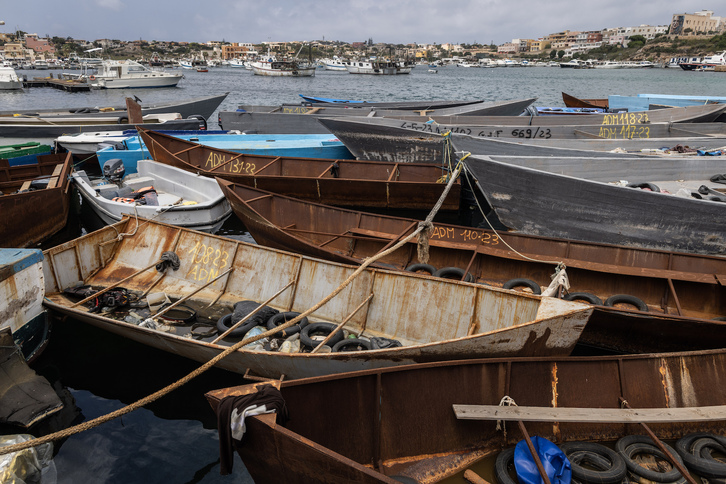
(604, 415)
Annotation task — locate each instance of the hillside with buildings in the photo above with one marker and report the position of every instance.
(696, 34)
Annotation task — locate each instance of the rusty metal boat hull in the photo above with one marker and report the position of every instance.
(31, 217)
(411, 140)
(573, 102)
(368, 427)
(335, 182)
(579, 198)
(434, 319)
(683, 292)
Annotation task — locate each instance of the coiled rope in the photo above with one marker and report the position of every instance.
(425, 225)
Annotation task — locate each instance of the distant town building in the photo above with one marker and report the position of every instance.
(703, 22)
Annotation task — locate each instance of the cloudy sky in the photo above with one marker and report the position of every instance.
(391, 21)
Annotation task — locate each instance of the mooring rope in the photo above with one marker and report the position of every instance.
(427, 224)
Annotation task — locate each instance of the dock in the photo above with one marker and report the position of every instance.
(68, 85)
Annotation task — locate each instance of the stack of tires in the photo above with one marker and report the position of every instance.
(636, 458)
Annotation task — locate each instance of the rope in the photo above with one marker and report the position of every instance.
(491, 227)
(506, 401)
(209, 364)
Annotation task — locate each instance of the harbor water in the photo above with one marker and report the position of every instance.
(174, 440)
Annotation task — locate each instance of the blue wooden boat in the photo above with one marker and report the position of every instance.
(643, 102)
(23, 153)
(132, 149)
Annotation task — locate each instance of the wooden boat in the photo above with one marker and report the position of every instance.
(677, 293)
(326, 146)
(21, 282)
(589, 148)
(282, 68)
(48, 128)
(303, 119)
(23, 153)
(201, 106)
(202, 69)
(179, 197)
(426, 316)
(412, 141)
(335, 182)
(410, 423)
(433, 104)
(34, 200)
(583, 199)
(573, 102)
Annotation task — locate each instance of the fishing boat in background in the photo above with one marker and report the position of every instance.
(304, 119)
(127, 74)
(35, 200)
(335, 64)
(9, 80)
(200, 106)
(430, 422)
(409, 319)
(337, 182)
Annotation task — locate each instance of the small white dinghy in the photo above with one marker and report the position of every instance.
(160, 192)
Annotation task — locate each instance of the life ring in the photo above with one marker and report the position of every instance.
(523, 282)
(282, 318)
(627, 299)
(92, 77)
(454, 273)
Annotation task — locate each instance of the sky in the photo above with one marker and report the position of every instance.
(391, 21)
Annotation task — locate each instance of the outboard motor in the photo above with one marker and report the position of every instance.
(113, 170)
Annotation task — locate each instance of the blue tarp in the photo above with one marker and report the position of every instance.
(555, 463)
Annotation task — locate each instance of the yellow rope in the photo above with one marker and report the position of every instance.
(426, 224)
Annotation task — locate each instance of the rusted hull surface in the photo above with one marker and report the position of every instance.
(335, 182)
(697, 290)
(29, 218)
(403, 417)
(426, 315)
(573, 102)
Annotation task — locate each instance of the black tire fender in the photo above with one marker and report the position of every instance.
(225, 322)
(281, 318)
(704, 467)
(454, 273)
(650, 186)
(200, 118)
(612, 468)
(630, 445)
(627, 299)
(523, 282)
(504, 460)
(421, 268)
(583, 296)
(314, 329)
(352, 344)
